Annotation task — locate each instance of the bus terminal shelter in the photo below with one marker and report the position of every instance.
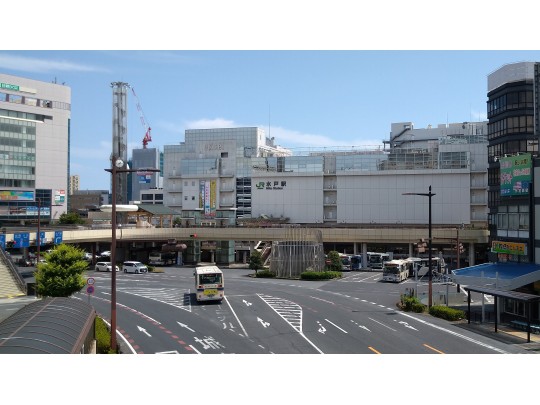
(527, 299)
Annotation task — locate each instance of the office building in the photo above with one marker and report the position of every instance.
(142, 181)
(34, 147)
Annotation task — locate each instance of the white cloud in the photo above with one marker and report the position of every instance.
(478, 115)
(205, 123)
(26, 64)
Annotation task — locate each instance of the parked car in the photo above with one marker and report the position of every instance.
(88, 256)
(134, 267)
(105, 266)
(106, 253)
(22, 262)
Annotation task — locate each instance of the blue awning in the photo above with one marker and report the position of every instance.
(505, 276)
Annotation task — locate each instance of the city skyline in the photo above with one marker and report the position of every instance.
(301, 98)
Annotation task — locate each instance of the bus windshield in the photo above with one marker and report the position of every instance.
(210, 278)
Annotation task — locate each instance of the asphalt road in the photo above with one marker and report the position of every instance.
(157, 313)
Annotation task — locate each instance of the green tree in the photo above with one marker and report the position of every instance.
(70, 218)
(61, 274)
(255, 261)
(335, 261)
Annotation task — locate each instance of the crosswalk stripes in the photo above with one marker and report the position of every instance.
(288, 310)
(172, 296)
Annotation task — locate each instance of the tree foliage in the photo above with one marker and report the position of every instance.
(256, 261)
(70, 218)
(335, 261)
(61, 274)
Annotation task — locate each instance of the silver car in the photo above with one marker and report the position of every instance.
(134, 267)
(105, 266)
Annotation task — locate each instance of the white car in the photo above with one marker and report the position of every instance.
(104, 266)
(134, 267)
(106, 253)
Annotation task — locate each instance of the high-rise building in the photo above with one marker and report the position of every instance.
(146, 158)
(513, 111)
(34, 148)
(74, 183)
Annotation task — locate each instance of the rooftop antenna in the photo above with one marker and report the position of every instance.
(268, 120)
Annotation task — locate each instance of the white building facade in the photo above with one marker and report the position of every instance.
(234, 168)
(34, 148)
(355, 187)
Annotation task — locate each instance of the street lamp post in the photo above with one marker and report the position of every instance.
(38, 236)
(430, 273)
(116, 167)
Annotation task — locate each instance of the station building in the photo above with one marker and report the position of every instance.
(219, 177)
(34, 149)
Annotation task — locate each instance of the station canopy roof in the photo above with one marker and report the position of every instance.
(499, 275)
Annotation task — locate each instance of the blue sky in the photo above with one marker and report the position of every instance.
(303, 98)
(309, 74)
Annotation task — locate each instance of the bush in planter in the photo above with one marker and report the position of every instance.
(320, 275)
(411, 304)
(450, 314)
(103, 337)
(265, 274)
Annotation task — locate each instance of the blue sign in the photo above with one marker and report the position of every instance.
(57, 237)
(90, 289)
(21, 240)
(42, 238)
(3, 241)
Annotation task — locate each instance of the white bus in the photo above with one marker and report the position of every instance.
(209, 285)
(376, 260)
(396, 270)
(420, 266)
(346, 264)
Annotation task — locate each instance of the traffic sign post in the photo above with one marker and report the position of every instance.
(90, 289)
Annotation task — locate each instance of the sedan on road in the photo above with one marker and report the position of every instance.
(105, 266)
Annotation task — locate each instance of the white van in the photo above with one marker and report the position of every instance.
(134, 267)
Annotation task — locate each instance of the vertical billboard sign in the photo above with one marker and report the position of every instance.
(207, 197)
(516, 175)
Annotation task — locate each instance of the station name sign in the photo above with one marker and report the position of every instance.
(271, 185)
(510, 248)
(14, 87)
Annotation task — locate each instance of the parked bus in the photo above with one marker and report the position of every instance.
(356, 262)
(209, 283)
(376, 260)
(346, 264)
(396, 270)
(420, 266)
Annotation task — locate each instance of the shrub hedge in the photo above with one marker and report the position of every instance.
(265, 274)
(320, 275)
(103, 337)
(412, 304)
(450, 314)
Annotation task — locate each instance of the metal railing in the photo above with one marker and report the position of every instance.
(6, 259)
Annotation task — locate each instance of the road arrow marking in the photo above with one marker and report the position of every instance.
(322, 329)
(183, 325)
(263, 323)
(144, 331)
(407, 325)
(247, 303)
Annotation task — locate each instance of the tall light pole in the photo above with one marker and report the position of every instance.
(116, 168)
(430, 273)
(38, 236)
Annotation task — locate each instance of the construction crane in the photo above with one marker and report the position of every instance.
(147, 136)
